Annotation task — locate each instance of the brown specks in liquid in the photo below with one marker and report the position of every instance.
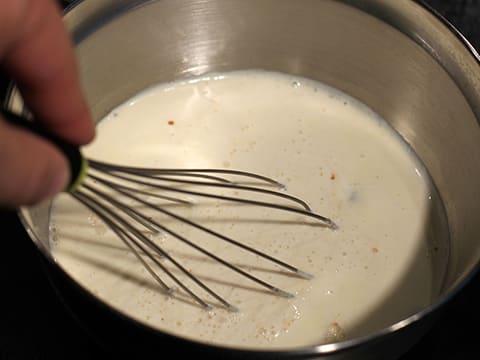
(335, 333)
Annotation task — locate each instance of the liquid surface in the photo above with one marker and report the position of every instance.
(327, 149)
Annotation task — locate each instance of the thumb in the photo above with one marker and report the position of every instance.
(32, 169)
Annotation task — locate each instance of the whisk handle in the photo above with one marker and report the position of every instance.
(76, 161)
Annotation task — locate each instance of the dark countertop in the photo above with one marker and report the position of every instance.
(463, 14)
(34, 324)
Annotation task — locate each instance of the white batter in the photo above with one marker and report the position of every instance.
(326, 148)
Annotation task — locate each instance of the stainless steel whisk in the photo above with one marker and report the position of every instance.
(109, 190)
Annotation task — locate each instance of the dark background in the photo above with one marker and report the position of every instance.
(34, 324)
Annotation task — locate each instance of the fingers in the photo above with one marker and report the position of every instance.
(32, 169)
(39, 56)
(36, 52)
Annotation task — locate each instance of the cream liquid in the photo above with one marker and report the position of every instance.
(328, 149)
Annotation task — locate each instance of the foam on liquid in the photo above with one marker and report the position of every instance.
(329, 150)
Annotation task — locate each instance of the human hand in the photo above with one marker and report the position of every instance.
(35, 51)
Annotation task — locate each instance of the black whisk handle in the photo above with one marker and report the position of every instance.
(72, 152)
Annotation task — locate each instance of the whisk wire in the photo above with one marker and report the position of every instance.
(195, 172)
(197, 247)
(163, 253)
(115, 178)
(123, 235)
(305, 210)
(223, 183)
(207, 230)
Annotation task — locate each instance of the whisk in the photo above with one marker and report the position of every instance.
(108, 190)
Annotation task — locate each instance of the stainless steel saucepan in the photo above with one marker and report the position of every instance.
(399, 58)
